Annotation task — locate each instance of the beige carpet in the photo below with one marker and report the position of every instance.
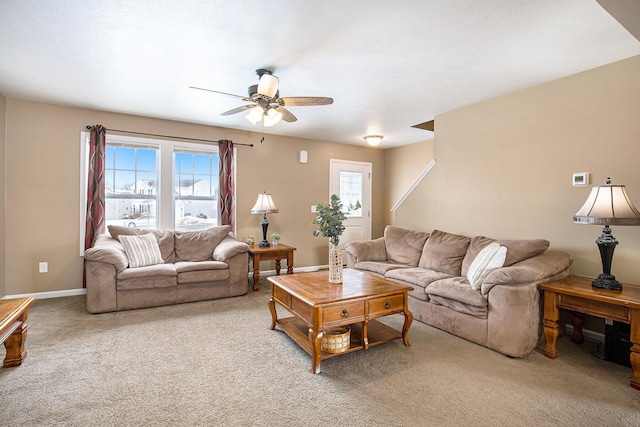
(217, 363)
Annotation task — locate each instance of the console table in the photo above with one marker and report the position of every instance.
(13, 328)
(577, 295)
(277, 252)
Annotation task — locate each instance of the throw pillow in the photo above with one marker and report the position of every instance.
(141, 250)
(492, 256)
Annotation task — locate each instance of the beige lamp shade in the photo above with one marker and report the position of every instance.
(264, 205)
(608, 205)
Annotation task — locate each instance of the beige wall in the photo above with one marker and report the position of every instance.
(505, 165)
(42, 188)
(403, 165)
(3, 168)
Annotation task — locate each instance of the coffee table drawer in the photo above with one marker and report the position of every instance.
(343, 312)
(383, 306)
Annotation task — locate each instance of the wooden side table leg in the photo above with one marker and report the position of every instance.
(635, 348)
(256, 272)
(277, 267)
(577, 319)
(290, 263)
(551, 317)
(15, 345)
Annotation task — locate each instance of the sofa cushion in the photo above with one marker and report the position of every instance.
(185, 266)
(417, 276)
(517, 250)
(368, 250)
(378, 266)
(460, 307)
(404, 246)
(153, 276)
(141, 250)
(165, 239)
(489, 258)
(458, 289)
(199, 245)
(444, 252)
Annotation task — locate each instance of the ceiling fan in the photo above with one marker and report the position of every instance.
(266, 103)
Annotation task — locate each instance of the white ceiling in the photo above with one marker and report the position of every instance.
(388, 65)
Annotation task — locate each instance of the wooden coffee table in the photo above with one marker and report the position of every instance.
(317, 305)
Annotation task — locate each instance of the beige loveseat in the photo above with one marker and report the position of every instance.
(190, 266)
(500, 311)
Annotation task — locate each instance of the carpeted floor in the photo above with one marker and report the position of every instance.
(217, 363)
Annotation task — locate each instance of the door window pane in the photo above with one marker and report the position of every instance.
(351, 192)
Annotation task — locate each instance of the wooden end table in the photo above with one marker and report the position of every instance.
(13, 328)
(577, 295)
(277, 252)
(317, 305)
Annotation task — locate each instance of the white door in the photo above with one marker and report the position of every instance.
(352, 182)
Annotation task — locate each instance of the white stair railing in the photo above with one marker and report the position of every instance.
(426, 170)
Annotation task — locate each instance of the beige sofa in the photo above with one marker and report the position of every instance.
(190, 266)
(502, 309)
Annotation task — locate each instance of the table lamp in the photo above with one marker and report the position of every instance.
(607, 205)
(264, 205)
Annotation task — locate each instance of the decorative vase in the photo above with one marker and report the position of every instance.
(335, 265)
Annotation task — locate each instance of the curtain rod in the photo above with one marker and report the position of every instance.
(168, 136)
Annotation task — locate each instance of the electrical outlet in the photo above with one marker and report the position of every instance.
(43, 267)
(313, 208)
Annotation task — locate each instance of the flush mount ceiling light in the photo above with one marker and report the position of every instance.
(373, 140)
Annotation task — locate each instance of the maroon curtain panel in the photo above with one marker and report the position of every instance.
(226, 187)
(95, 186)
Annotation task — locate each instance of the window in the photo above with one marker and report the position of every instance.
(155, 184)
(131, 177)
(196, 189)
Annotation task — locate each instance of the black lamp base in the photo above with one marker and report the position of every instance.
(265, 225)
(606, 244)
(607, 281)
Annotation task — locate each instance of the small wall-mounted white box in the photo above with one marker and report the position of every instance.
(580, 179)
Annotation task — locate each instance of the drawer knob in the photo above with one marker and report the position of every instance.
(345, 313)
(387, 305)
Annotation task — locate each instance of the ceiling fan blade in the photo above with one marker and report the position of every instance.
(238, 110)
(222, 93)
(286, 114)
(300, 101)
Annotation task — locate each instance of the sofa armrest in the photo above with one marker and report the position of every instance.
(368, 250)
(228, 248)
(107, 250)
(549, 265)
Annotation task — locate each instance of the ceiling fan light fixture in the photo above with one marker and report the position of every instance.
(268, 85)
(272, 117)
(255, 114)
(373, 140)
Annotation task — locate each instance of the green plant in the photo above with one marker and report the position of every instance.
(274, 236)
(329, 219)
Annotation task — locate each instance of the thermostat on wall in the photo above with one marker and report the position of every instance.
(302, 156)
(580, 179)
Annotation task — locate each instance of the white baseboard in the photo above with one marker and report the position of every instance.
(265, 273)
(50, 294)
(596, 336)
